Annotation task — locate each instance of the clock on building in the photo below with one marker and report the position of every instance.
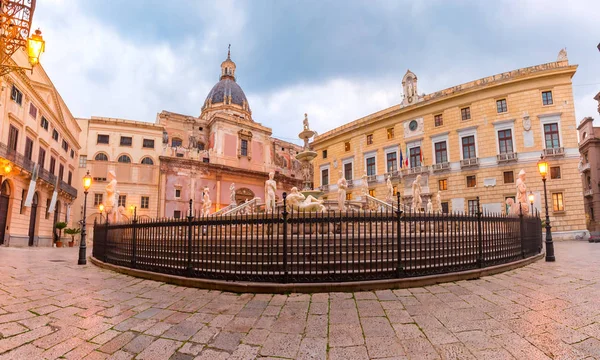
(413, 125)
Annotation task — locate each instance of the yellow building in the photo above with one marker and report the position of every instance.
(467, 141)
(38, 134)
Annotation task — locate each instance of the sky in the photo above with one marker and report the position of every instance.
(337, 60)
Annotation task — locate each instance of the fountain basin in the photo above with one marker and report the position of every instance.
(306, 155)
(306, 134)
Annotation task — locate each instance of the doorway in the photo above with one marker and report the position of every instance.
(33, 219)
(4, 199)
(56, 218)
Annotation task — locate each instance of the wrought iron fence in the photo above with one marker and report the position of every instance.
(324, 247)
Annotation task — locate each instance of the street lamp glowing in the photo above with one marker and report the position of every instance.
(101, 208)
(7, 168)
(543, 167)
(131, 208)
(87, 181)
(531, 197)
(35, 47)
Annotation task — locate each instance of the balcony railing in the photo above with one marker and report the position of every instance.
(415, 170)
(350, 183)
(372, 178)
(588, 192)
(394, 174)
(469, 162)
(507, 157)
(47, 176)
(584, 167)
(68, 189)
(324, 188)
(557, 151)
(441, 167)
(16, 158)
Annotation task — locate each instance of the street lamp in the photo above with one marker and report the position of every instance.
(7, 168)
(101, 209)
(87, 183)
(543, 169)
(531, 198)
(35, 47)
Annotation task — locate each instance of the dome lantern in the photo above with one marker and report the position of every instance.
(228, 67)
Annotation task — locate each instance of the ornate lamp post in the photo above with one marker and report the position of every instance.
(531, 198)
(543, 169)
(87, 183)
(101, 209)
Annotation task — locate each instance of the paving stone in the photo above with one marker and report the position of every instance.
(191, 348)
(348, 353)
(244, 352)
(205, 335)
(139, 343)
(105, 337)
(182, 331)
(455, 351)
(384, 347)
(62, 348)
(212, 354)
(159, 349)
(345, 335)
(81, 351)
(117, 343)
(312, 348)
(28, 351)
(258, 336)
(121, 355)
(10, 329)
(281, 345)
(18, 340)
(227, 341)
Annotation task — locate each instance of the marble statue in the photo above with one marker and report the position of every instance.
(305, 122)
(417, 202)
(521, 204)
(207, 203)
(438, 203)
(270, 190)
(342, 187)
(111, 198)
(389, 198)
(429, 206)
(411, 90)
(232, 194)
(297, 201)
(364, 188)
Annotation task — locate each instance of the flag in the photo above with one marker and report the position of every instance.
(407, 162)
(32, 183)
(54, 197)
(421, 157)
(401, 159)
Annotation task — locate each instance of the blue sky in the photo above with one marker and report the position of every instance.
(335, 60)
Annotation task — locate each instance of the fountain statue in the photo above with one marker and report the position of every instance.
(342, 187)
(305, 157)
(364, 188)
(521, 205)
(389, 198)
(429, 206)
(299, 202)
(270, 190)
(438, 203)
(112, 213)
(207, 203)
(232, 194)
(417, 202)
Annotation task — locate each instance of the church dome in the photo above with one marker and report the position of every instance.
(227, 91)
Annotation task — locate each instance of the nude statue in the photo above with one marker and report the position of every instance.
(416, 192)
(232, 194)
(429, 206)
(521, 205)
(365, 185)
(389, 198)
(297, 201)
(111, 198)
(438, 202)
(342, 187)
(207, 203)
(305, 121)
(270, 190)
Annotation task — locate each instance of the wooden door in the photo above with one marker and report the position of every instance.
(4, 199)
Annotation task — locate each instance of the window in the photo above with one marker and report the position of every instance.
(557, 202)
(69, 178)
(509, 177)
(244, 148)
(41, 157)
(348, 171)
(82, 161)
(54, 135)
(72, 154)
(591, 213)
(415, 157)
(372, 192)
(395, 189)
(324, 154)
(443, 184)
(325, 177)
(52, 165)
(22, 210)
(555, 172)
(16, 95)
(465, 113)
(123, 201)
(505, 141)
(28, 148)
(47, 213)
(148, 143)
(391, 161)
(177, 214)
(501, 106)
(124, 159)
(547, 98)
(98, 199)
(103, 139)
(177, 193)
(445, 207)
(101, 157)
(473, 208)
(390, 133)
(200, 146)
(468, 145)
(179, 155)
(32, 110)
(61, 171)
(176, 142)
(147, 161)
(44, 123)
(347, 146)
(441, 153)
(438, 120)
(13, 137)
(126, 141)
(551, 135)
(371, 166)
(348, 196)
(65, 145)
(471, 181)
(370, 139)
(206, 160)
(145, 202)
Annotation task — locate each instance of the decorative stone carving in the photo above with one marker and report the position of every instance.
(409, 87)
(305, 122)
(232, 194)
(562, 55)
(389, 198)
(364, 188)
(297, 201)
(417, 202)
(270, 190)
(520, 205)
(207, 203)
(342, 187)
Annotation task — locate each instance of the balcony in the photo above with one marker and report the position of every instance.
(350, 183)
(68, 189)
(415, 170)
(372, 179)
(324, 188)
(472, 162)
(588, 192)
(440, 167)
(506, 157)
(584, 167)
(557, 151)
(394, 174)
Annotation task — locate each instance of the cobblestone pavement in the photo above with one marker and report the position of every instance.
(51, 308)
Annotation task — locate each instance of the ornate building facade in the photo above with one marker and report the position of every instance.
(39, 148)
(467, 141)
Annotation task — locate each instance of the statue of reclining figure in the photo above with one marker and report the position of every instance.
(297, 201)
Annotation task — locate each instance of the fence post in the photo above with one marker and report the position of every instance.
(105, 237)
(190, 268)
(399, 269)
(134, 239)
(285, 215)
(94, 251)
(479, 236)
(522, 231)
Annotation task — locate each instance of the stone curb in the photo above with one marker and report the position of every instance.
(350, 286)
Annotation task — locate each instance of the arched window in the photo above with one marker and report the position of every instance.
(124, 159)
(176, 142)
(147, 161)
(101, 157)
(200, 146)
